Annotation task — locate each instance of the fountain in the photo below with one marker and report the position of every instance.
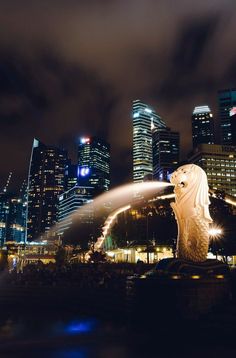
(189, 285)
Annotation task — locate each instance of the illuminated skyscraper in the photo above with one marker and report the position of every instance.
(202, 126)
(46, 182)
(227, 100)
(165, 153)
(219, 163)
(233, 125)
(12, 216)
(70, 202)
(4, 212)
(71, 175)
(145, 120)
(94, 164)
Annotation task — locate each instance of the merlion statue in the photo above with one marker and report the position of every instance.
(191, 210)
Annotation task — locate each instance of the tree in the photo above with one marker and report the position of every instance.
(3, 260)
(98, 257)
(60, 256)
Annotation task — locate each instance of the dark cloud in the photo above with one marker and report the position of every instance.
(69, 68)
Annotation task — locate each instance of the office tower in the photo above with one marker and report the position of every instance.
(12, 217)
(226, 100)
(202, 126)
(145, 120)
(219, 163)
(70, 202)
(23, 196)
(165, 153)
(71, 175)
(45, 183)
(233, 124)
(94, 164)
(16, 220)
(4, 211)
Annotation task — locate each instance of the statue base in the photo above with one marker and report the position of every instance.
(178, 288)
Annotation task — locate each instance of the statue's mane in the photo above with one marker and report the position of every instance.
(197, 191)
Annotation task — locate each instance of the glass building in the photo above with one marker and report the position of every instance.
(71, 175)
(70, 202)
(4, 212)
(233, 124)
(145, 120)
(202, 126)
(46, 182)
(94, 164)
(12, 218)
(219, 163)
(165, 153)
(13, 215)
(226, 100)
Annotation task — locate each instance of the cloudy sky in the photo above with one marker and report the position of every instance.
(69, 68)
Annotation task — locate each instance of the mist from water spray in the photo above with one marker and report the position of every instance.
(114, 199)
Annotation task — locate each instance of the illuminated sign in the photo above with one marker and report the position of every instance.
(85, 140)
(232, 112)
(83, 171)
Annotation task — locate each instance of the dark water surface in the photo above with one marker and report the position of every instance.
(69, 335)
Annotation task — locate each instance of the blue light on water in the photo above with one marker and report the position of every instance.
(77, 327)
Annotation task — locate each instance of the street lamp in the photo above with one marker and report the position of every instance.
(215, 233)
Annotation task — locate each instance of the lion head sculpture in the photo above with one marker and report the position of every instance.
(191, 190)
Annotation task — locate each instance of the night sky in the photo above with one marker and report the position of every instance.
(71, 68)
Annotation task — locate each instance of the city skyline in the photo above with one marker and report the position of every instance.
(68, 71)
(74, 154)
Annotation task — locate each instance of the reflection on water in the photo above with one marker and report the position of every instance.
(67, 335)
(46, 335)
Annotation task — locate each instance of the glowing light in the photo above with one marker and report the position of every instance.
(85, 140)
(84, 171)
(175, 277)
(215, 232)
(195, 277)
(108, 224)
(232, 111)
(220, 276)
(77, 327)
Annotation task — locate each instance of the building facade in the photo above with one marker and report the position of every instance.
(94, 164)
(70, 202)
(71, 175)
(202, 126)
(12, 218)
(219, 163)
(145, 120)
(226, 100)
(165, 153)
(45, 183)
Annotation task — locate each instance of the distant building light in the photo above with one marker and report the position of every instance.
(136, 115)
(232, 112)
(201, 109)
(84, 140)
(148, 110)
(83, 171)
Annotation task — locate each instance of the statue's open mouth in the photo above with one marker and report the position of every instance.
(181, 184)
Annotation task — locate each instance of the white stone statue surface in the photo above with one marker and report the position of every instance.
(191, 210)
